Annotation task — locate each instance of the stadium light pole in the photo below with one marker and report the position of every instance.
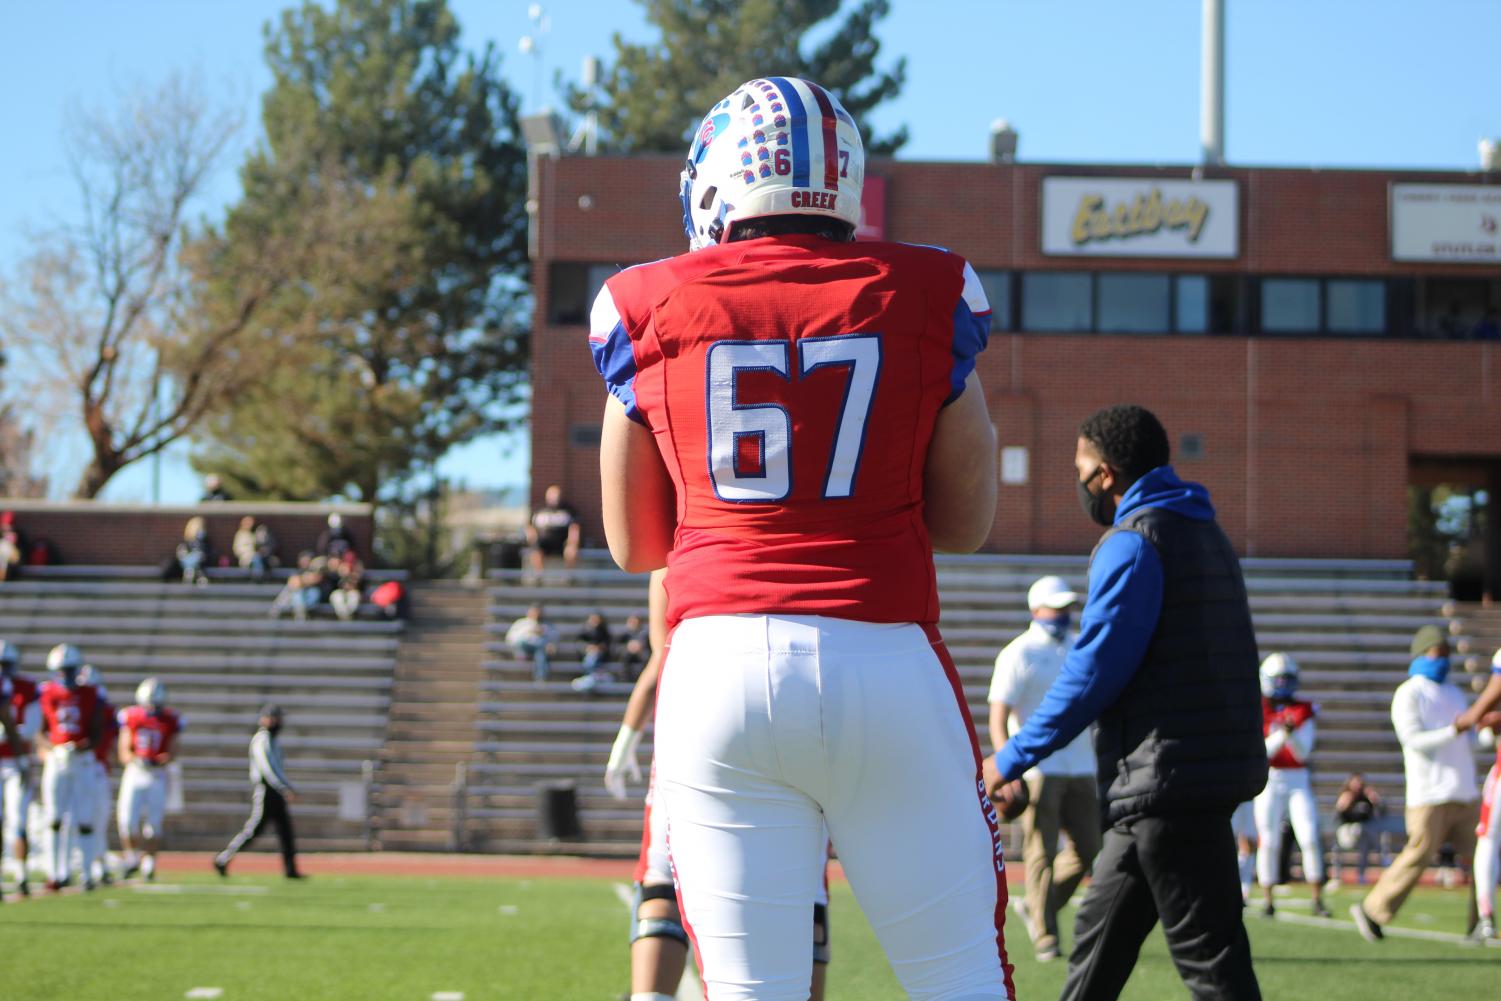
(1212, 85)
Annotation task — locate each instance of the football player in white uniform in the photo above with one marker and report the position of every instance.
(1288, 724)
(148, 744)
(70, 712)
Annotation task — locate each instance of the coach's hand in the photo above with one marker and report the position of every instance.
(992, 776)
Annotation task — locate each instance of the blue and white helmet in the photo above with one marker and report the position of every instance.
(777, 146)
(1279, 676)
(10, 656)
(64, 657)
(151, 694)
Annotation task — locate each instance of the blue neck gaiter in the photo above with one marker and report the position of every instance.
(1435, 669)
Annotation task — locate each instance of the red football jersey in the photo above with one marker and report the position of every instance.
(109, 731)
(792, 385)
(1293, 714)
(151, 734)
(68, 713)
(23, 692)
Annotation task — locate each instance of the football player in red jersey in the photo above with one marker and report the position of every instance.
(1289, 727)
(104, 749)
(17, 757)
(70, 720)
(1483, 716)
(148, 743)
(793, 425)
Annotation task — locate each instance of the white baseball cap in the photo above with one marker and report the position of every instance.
(1050, 592)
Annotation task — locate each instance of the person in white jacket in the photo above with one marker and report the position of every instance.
(1442, 796)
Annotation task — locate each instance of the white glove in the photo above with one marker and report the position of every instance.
(1487, 737)
(622, 764)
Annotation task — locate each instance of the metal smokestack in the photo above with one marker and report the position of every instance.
(1212, 85)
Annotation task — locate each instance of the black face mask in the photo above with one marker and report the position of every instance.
(1094, 504)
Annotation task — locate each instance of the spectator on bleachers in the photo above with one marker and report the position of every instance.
(254, 548)
(347, 574)
(12, 546)
(596, 637)
(635, 643)
(335, 540)
(304, 590)
(1363, 823)
(553, 531)
(532, 636)
(213, 490)
(193, 555)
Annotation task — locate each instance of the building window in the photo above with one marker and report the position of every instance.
(1289, 305)
(997, 286)
(1057, 301)
(1191, 304)
(1134, 303)
(572, 289)
(1355, 307)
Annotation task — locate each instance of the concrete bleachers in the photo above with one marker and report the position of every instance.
(1347, 622)
(222, 657)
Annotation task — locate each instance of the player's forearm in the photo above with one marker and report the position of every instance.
(637, 498)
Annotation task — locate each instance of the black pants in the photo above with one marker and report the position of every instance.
(1183, 871)
(267, 806)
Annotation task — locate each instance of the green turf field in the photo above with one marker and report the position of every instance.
(332, 939)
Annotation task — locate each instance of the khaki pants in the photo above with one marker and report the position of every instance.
(1059, 803)
(1428, 827)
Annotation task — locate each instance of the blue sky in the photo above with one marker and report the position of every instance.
(1362, 83)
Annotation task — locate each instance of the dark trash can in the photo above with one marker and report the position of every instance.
(557, 811)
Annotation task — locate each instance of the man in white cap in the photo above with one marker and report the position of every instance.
(1062, 786)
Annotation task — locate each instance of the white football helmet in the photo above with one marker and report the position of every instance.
(777, 146)
(151, 694)
(10, 655)
(1279, 676)
(64, 657)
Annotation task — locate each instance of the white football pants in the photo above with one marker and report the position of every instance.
(15, 801)
(770, 726)
(1488, 843)
(143, 801)
(1288, 794)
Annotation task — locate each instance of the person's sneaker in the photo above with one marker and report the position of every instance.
(1268, 910)
(1019, 908)
(296, 875)
(1485, 930)
(1320, 911)
(1365, 924)
(24, 887)
(1047, 954)
(222, 868)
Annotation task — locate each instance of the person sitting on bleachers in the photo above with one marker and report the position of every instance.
(304, 590)
(347, 574)
(553, 531)
(1363, 825)
(596, 638)
(532, 636)
(254, 548)
(12, 546)
(193, 556)
(335, 540)
(635, 643)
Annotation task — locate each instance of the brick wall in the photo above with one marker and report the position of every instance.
(1307, 441)
(96, 534)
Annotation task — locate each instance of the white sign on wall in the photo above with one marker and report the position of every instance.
(1446, 222)
(1139, 217)
(1014, 465)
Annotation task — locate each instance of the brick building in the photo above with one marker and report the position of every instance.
(1315, 341)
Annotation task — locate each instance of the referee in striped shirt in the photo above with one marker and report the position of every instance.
(269, 798)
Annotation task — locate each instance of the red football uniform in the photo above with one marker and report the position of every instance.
(23, 692)
(792, 384)
(68, 713)
(1293, 714)
(109, 732)
(151, 734)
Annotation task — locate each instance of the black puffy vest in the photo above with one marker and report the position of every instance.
(1184, 736)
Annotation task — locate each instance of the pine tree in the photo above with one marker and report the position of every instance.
(653, 94)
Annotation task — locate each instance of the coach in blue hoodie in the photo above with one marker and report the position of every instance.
(1165, 665)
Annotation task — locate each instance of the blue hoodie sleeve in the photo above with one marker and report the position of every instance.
(1125, 601)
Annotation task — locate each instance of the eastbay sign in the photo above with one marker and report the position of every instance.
(1139, 217)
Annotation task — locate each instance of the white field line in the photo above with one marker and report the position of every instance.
(448, 996)
(205, 992)
(1389, 930)
(689, 989)
(181, 888)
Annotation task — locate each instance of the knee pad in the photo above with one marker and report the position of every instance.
(821, 949)
(56, 825)
(85, 831)
(656, 927)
